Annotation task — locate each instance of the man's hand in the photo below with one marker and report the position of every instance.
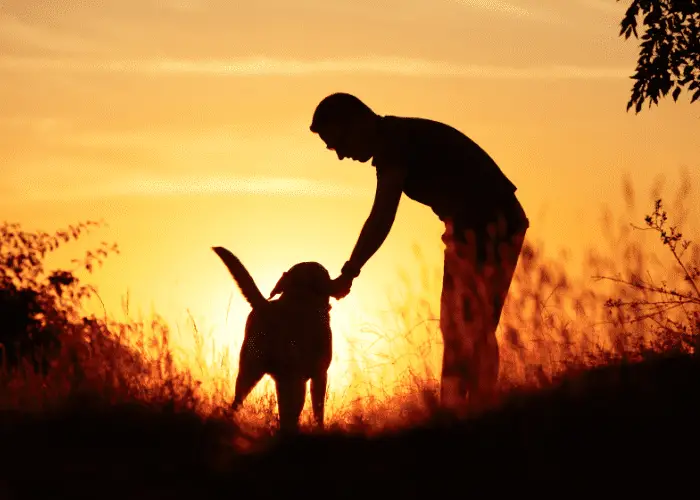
(340, 286)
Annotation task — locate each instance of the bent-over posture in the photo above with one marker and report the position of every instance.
(485, 225)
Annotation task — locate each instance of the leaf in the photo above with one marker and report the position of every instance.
(696, 96)
(676, 93)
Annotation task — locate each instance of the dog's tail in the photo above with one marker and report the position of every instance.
(242, 277)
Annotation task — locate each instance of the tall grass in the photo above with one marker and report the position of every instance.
(628, 302)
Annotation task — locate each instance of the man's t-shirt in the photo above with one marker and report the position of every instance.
(446, 171)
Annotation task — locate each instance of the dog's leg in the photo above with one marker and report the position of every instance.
(245, 382)
(291, 392)
(318, 397)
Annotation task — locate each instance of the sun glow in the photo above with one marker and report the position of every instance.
(368, 360)
(372, 359)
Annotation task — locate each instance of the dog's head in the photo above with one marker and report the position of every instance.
(305, 279)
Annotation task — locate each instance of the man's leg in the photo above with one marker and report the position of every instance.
(455, 321)
(475, 286)
(453, 378)
(496, 276)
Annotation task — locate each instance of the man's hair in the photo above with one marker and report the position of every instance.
(338, 108)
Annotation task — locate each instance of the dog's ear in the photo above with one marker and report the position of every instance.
(281, 285)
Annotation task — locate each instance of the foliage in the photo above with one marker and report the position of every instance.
(37, 305)
(658, 301)
(669, 56)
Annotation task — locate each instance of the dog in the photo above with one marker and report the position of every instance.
(289, 338)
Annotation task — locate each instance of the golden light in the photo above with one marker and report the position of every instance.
(207, 325)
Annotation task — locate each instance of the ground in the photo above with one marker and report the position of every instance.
(625, 425)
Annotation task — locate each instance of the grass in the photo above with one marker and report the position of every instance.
(599, 384)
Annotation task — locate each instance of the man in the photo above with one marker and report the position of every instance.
(485, 225)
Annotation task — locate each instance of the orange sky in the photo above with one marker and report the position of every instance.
(185, 125)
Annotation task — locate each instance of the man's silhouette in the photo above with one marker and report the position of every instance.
(485, 225)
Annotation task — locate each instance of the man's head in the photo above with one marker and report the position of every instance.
(346, 125)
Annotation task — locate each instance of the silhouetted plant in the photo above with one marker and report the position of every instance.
(670, 50)
(37, 305)
(660, 302)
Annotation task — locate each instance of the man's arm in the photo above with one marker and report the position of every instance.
(377, 226)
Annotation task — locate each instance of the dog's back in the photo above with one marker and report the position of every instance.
(289, 337)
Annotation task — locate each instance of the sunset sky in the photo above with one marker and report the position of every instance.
(185, 124)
